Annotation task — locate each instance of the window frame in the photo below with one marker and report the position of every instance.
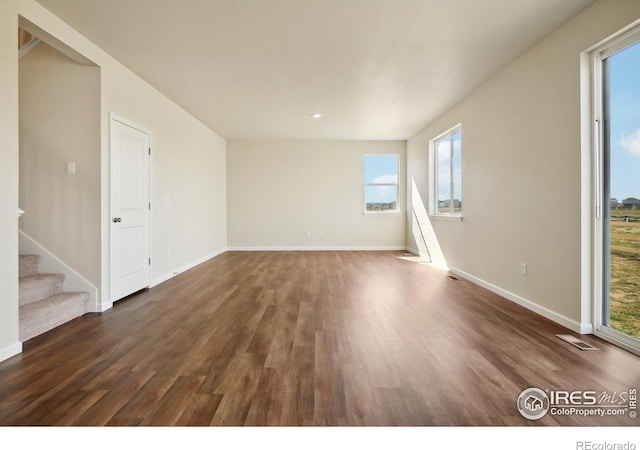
(396, 184)
(434, 210)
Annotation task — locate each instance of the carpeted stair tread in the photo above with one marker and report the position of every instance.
(29, 265)
(37, 287)
(46, 314)
(43, 303)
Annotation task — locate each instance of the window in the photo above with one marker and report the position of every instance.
(446, 170)
(381, 183)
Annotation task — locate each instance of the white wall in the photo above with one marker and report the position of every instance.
(188, 165)
(522, 179)
(279, 190)
(188, 168)
(189, 200)
(188, 174)
(59, 123)
(9, 343)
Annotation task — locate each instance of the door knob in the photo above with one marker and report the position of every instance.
(117, 219)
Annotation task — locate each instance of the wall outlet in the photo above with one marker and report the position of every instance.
(320, 234)
(523, 269)
(168, 251)
(308, 234)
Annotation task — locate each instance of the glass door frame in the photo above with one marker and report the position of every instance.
(600, 183)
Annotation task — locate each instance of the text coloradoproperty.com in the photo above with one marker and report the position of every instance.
(569, 411)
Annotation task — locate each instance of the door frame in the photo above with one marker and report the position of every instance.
(117, 118)
(598, 203)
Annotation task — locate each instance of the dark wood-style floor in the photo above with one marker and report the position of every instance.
(305, 338)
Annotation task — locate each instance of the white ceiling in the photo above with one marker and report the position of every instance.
(258, 69)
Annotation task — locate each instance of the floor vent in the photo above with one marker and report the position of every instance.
(453, 277)
(576, 342)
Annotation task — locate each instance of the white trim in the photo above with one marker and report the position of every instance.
(167, 276)
(365, 185)
(587, 200)
(582, 328)
(593, 175)
(10, 351)
(317, 249)
(596, 173)
(621, 41)
(123, 121)
(585, 328)
(446, 217)
(105, 306)
(413, 251)
(619, 339)
(390, 212)
(27, 48)
(49, 39)
(446, 132)
(433, 173)
(50, 263)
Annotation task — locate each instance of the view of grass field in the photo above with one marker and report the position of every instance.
(625, 271)
(622, 114)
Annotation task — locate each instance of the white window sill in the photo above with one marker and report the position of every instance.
(446, 218)
(382, 213)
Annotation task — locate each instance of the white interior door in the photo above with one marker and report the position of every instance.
(130, 210)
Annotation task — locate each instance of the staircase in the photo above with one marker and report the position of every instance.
(43, 304)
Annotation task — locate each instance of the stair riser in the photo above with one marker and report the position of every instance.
(40, 317)
(29, 265)
(35, 291)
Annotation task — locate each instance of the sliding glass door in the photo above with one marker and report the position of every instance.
(618, 68)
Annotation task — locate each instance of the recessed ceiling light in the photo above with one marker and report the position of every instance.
(316, 115)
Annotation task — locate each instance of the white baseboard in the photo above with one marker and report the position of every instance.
(11, 350)
(315, 249)
(586, 328)
(104, 306)
(168, 276)
(573, 325)
(49, 263)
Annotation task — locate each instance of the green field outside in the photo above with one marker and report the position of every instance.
(625, 271)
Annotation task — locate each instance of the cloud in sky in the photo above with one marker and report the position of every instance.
(631, 142)
(385, 193)
(386, 179)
